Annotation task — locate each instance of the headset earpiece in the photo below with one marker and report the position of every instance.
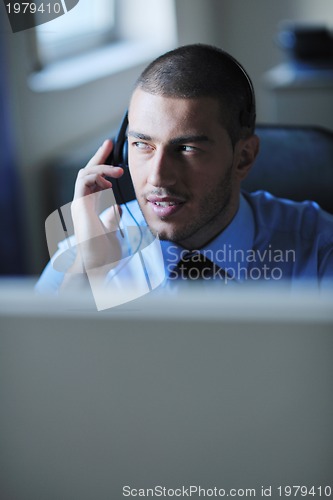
(119, 154)
(125, 154)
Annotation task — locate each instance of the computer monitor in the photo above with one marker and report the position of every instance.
(193, 394)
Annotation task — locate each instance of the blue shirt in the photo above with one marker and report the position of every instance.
(269, 239)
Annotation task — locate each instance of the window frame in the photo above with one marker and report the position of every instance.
(69, 46)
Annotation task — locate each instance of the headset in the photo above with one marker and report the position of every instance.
(248, 116)
(119, 155)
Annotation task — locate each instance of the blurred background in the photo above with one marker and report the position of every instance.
(65, 85)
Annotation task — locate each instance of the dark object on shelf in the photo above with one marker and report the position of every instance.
(306, 41)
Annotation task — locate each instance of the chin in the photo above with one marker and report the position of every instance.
(162, 232)
(166, 229)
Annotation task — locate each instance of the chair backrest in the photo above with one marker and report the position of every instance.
(294, 162)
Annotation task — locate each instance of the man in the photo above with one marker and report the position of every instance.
(191, 142)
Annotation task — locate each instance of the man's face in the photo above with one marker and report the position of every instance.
(183, 167)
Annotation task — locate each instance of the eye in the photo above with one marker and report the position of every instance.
(184, 148)
(142, 146)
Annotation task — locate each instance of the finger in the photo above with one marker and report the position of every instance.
(94, 177)
(102, 153)
(90, 184)
(107, 170)
(96, 180)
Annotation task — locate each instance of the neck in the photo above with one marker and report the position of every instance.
(212, 228)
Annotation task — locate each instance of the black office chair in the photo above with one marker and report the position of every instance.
(294, 162)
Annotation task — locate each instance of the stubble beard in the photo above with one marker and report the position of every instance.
(213, 207)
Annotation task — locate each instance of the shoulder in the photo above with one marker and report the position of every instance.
(306, 219)
(301, 230)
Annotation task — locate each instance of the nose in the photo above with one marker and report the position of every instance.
(161, 170)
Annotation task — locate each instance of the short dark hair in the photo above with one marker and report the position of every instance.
(199, 70)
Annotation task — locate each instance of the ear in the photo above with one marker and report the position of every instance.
(246, 153)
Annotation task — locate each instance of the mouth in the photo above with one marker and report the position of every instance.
(165, 206)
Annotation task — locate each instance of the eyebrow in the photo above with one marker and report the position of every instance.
(190, 139)
(137, 135)
(176, 141)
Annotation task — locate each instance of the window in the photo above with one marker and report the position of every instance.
(97, 39)
(91, 23)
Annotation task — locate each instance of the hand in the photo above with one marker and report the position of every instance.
(91, 179)
(96, 238)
